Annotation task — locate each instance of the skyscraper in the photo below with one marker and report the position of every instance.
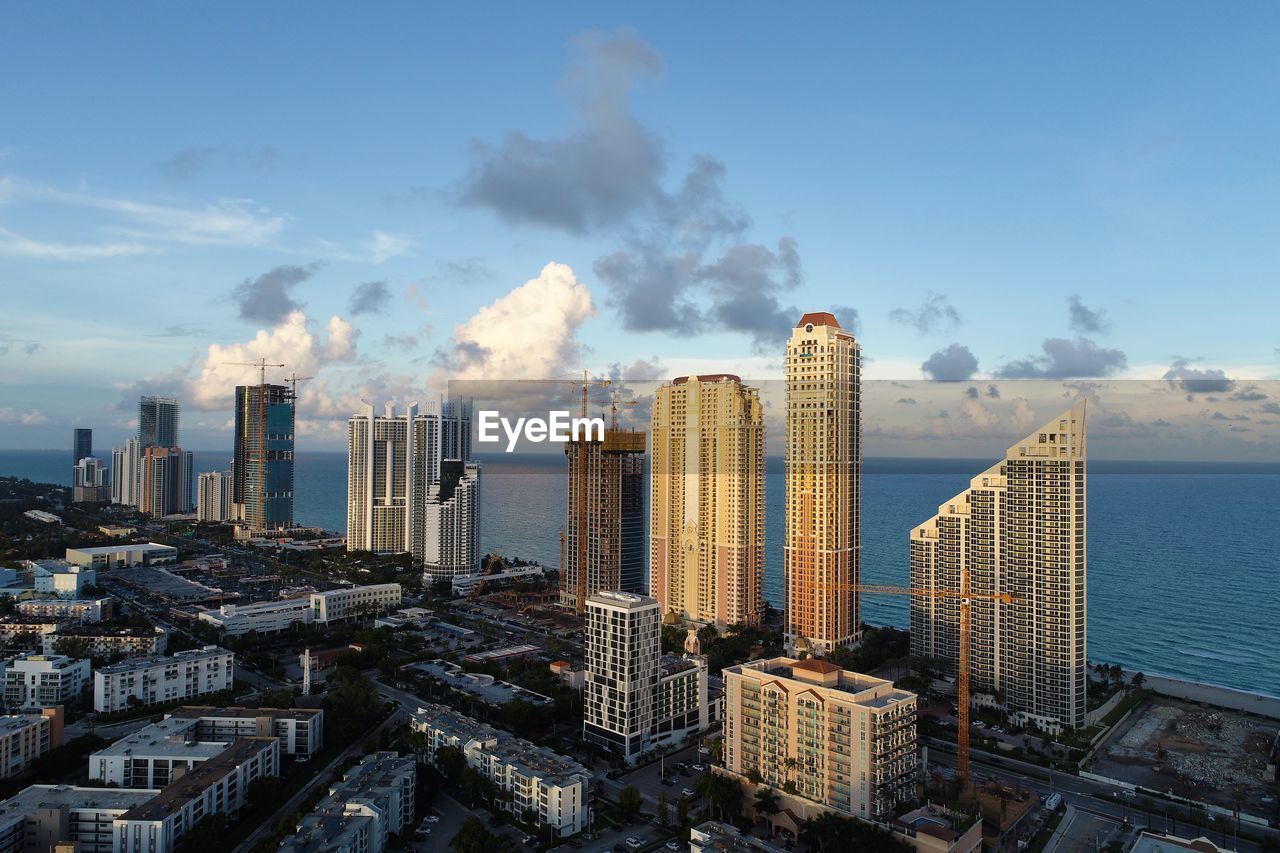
(706, 505)
(380, 479)
(126, 467)
(213, 496)
(158, 422)
(165, 482)
(1019, 529)
(603, 545)
(822, 550)
(81, 444)
(622, 643)
(262, 467)
(447, 540)
(90, 483)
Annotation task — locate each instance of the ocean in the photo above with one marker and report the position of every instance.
(1184, 559)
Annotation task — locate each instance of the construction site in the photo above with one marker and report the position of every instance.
(1194, 751)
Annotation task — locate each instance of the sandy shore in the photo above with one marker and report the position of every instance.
(1222, 697)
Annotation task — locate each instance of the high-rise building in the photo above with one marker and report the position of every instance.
(622, 642)
(411, 486)
(165, 481)
(158, 422)
(1019, 529)
(262, 468)
(90, 481)
(603, 545)
(126, 466)
(822, 550)
(706, 504)
(81, 444)
(213, 496)
(842, 740)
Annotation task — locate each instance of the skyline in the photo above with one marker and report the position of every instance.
(1113, 196)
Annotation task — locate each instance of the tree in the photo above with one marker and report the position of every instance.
(664, 809)
(766, 801)
(73, 647)
(723, 794)
(353, 704)
(629, 802)
(682, 811)
(474, 837)
(1137, 680)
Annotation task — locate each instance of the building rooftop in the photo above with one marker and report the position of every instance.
(169, 738)
(16, 722)
(671, 664)
(866, 690)
(819, 318)
(116, 549)
(240, 712)
(708, 377)
(36, 797)
(80, 629)
(815, 665)
(188, 787)
(618, 598)
(526, 758)
(130, 664)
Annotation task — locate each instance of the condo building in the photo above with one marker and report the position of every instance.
(1018, 530)
(706, 504)
(374, 799)
(603, 544)
(81, 444)
(262, 466)
(843, 741)
(41, 681)
(158, 419)
(821, 552)
(107, 641)
(165, 481)
(26, 737)
(158, 680)
(90, 481)
(126, 467)
(213, 496)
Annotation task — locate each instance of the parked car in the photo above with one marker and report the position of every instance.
(688, 792)
(433, 818)
(698, 768)
(674, 845)
(668, 781)
(635, 843)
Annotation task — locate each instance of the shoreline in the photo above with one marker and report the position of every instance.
(1229, 698)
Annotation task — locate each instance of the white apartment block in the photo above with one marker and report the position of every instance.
(1019, 529)
(554, 787)
(449, 546)
(26, 627)
(155, 755)
(104, 641)
(374, 799)
(126, 468)
(122, 556)
(681, 706)
(262, 617)
(299, 730)
(40, 681)
(213, 496)
(43, 815)
(623, 647)
(158, 680)
(60, 578)
(845, 741)
(66, 609)
(23, 739)
(337, 605)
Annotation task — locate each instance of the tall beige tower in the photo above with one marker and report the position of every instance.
(1018, 529)
(821, 556)
(706, 501)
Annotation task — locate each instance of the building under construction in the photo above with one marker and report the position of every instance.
(262, 467)
(603, 544)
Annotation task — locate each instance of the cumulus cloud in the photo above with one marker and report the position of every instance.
(1271, 408)
(268, 297)
(1085, 320)
(1066, 359)
(639, 370)
(404, 342)
(936, 313)
(952, 363)
(9, 416)
(1250, 394)
(383, 246)
(1193, 380)
(530, 333)
(369, 298)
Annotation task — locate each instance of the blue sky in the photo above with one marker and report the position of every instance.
(364, 194)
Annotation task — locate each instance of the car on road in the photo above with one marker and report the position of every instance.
(673, 845)
(433, 818)
(688, 792)
(698, 768)
(635, 843)
(668, 781)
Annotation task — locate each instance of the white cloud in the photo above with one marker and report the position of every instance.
(15, 245)
(383, 246)
(10, 416)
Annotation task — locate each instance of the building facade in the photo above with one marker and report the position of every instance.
(122, 556)
(213, 496)
(603, 544)
(299, 730)
(23, 739)
(66, 609)
(706, 504)
(822, 548)
(622, 644)
(373, 800)
(262, 617)
(158, 680)
(81, 444)
(90, 481)
(338, 605)
(449, 544)
(106, 641)
(158, 419)
(126, 468)
(1019, 529)
(844, 740)
(165, 481)
(41, 681)
(262, 467)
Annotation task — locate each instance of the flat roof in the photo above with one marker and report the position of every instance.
(116, 549)
(130, 664)
(168, 738)
(240, 712)
(35, 797)
(190, 786)
(16, 722)
(524, 757)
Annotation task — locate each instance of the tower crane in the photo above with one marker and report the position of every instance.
(261, 364)
(494, 559)
(613, 408)
(966, 598)
(293, 381)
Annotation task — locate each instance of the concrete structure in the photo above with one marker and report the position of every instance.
(339, 605)
(680, 705)
(262, 617)
(90, 481)
(846, 741)
(706, 504)
(715, 837)
(61, 578)
(555, 788)
(81, 444)
(823, 544)
(24, 738)
(213, 496)
(463, 584)
(20, 628)
(121, 556)
(126, 468)
(606, 500)
(66, 609)
(165, 482)
(105, 641)
(42, 816)
(42, 516)
(1149, 841)
(449, 546)
(1018, 529)
(299, 730)
(154, 756)
(158, 680)
(262, 468)
(158, 421)
(41, 681)
(374, 799)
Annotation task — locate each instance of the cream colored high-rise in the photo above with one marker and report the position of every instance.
(846, 741)
(1018, 529)
(824, 465)
(706, 500)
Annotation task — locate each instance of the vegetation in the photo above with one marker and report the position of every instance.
(830, 832)
(352, 705)
(474, 837)
(629, 802)
(878, 647)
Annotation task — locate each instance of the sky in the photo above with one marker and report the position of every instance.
(388, 198)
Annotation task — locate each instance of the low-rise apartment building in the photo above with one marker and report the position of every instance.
(337, 605)
(22, 628)
(374, 799)
(42, 681)
(157, 680)
(104, 641)
(299, 730)
(41, 816)
(554, 787)
(67, 609)
(26, 737)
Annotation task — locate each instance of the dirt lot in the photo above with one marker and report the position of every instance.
(1193, 751)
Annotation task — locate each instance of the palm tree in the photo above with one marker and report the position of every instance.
(766, 804)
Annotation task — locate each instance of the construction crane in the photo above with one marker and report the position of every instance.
(586, 382)
(613, 409)
(293, 381)
(261, 364)
(966, 597)
(491, 563)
